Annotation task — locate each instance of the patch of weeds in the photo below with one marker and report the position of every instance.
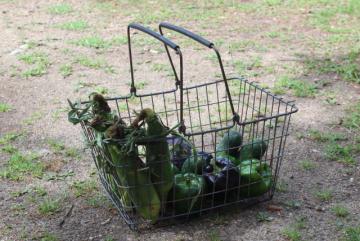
(324, 195)
(74, 25)
(109, 238)
(83, 188)
(352, 119)
(263, 217)
(72, 152)
(273, 34)
(35, 116)
(272, 3)
(281, 186)
(56, 146)
(18, 165)
(295, 204)
(340, 211)
(119, 40)
(40, 62)
(299, 88)
(307, 165)
(49, 237)
(352, 234)
(40, 191)
(213, 235)
(300, 222)
(162, 68)
(346, 67)
(96, 200)
(49, 206)
(326, 136)
(292, 234)
(58, 112)
(9, 149)
(330, 98)
(62, 8)
(139, 84)
(241, 46)
(4, 107)
(242, 67)
(92, 42)
(336, 152)
(95, 64)
(9, 137)
(101, 90)
(66, 70)
(81, 85)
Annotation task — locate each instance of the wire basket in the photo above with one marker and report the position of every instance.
(205, 114)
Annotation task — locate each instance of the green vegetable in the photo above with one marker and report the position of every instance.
(137, 181)
(229, 144)
(196, 163)
(256, 178)
(187, 189)
(254, 150)
(157, 152)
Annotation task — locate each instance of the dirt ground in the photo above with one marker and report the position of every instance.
(51, 51)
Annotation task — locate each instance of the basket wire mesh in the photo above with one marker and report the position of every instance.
(206, 113)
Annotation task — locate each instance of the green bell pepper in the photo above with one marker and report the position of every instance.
(187, 189)
(256, 178)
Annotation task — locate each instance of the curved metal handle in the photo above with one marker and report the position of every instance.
(187, 33)
(206, 43)
(164, 40)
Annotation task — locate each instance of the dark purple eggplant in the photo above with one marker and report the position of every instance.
(179, 149)
(224, 181)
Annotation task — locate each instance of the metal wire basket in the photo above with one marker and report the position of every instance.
(205, 114)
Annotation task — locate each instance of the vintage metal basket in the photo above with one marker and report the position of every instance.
(204, 113)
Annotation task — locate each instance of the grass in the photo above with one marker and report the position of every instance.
(66, 70)
(263, 217)
(59, 147)
(83, 188)
(38, 60)
(352, 119)
(213, 235)
(49, 206)
(299, 88)
(92, 42)
(324, 195)
(292, 234)
(60, 9)
(101, 90)
(4, 107)
(77, 25)
(9, 137)
(48, 237)
(347, 67)
(20, 165)
(35, 116)
(352, 234)
(307, 165)
(56, 146)
(9, 149)
(340, 211)
(94, 64)
(81, 85)
(337, 152)
(326, 136)
(281, 186)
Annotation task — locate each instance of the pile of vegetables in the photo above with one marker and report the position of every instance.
(153, 169)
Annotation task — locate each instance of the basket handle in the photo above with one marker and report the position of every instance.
(165, 41)
(206, 43)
